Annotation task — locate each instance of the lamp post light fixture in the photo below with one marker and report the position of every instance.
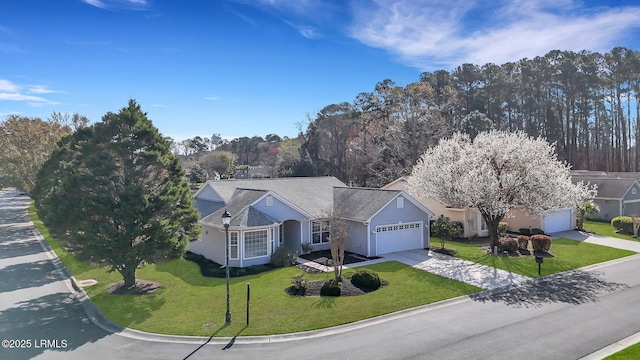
(226, 219)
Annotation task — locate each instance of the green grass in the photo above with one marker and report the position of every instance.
(570, 254)
(631, 353)
(605, 228)
(187, 300)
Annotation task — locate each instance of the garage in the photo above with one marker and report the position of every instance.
(561, 220)
(398, 237)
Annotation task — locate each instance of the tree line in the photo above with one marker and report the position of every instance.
(584, 102)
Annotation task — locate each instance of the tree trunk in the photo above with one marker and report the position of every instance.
(492, 224)
(129, 276)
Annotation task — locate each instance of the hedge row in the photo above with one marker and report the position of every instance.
(623, 224)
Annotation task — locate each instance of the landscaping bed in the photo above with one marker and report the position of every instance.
(323, 257)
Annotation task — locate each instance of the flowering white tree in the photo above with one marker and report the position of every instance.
(495, 173)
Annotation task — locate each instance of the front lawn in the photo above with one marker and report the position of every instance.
(187, 300)
(570, 254)
(605, 229)
(630, 353)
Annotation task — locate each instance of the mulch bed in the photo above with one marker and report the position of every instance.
(323, 257)
(313, 289)
(142, 287)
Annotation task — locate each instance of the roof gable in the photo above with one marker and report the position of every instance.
(241, 199)
(362, 204)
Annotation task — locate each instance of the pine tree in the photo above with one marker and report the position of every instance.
(120, 193)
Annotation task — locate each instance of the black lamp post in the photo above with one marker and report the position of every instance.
(226, 219)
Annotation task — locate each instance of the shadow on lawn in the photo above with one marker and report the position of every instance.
(572, 287)
(326, 302)
(128, 310)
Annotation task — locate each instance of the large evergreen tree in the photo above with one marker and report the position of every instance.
(119, 193)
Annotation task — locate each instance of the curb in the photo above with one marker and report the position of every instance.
(614, 348)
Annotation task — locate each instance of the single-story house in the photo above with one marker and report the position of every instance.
(270, 213)
(617, 195)
(474, 225)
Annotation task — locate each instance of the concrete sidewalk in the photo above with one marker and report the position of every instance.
(599, 240)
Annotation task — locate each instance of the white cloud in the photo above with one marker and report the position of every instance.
(160, 106)
(119, 4)
(6, 85)
(41, 89)
(213, 98)
(429, 34)
(14, 92)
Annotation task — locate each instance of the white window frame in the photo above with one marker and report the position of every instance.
(245, 242)
(232, 245)
(323, 231)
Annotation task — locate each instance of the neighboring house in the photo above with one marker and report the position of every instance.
(551, 221)
(270, 213)
(474, 224)
(252, 172)
(618, 193)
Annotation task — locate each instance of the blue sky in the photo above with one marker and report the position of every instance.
(257, 67)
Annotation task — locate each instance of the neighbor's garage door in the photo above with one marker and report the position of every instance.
(558, 221)
(398, 237)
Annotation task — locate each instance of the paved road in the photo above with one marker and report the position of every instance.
(563, 317)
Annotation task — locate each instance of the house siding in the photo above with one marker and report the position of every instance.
(279, 210)
(211, 246)
(357, 238)
(608, 209)
(519, 218)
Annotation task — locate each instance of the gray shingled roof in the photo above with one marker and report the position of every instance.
(607, 187)
(207, 207)
(314, 195)
(250, 216)
(361, 203)
(238, 208)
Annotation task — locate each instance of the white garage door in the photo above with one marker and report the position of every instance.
(398, 237)
(558, 221)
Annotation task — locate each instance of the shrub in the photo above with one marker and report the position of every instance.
(536, 231)
(283, 257)
(365, 278)
(541, 242)
(523, 242)
(524, 231)
(445, 229)
(299, 284)
(331, 287)
(503, 227)
(623, 224)
(307, 248)
(210, 268)
(507, 244)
